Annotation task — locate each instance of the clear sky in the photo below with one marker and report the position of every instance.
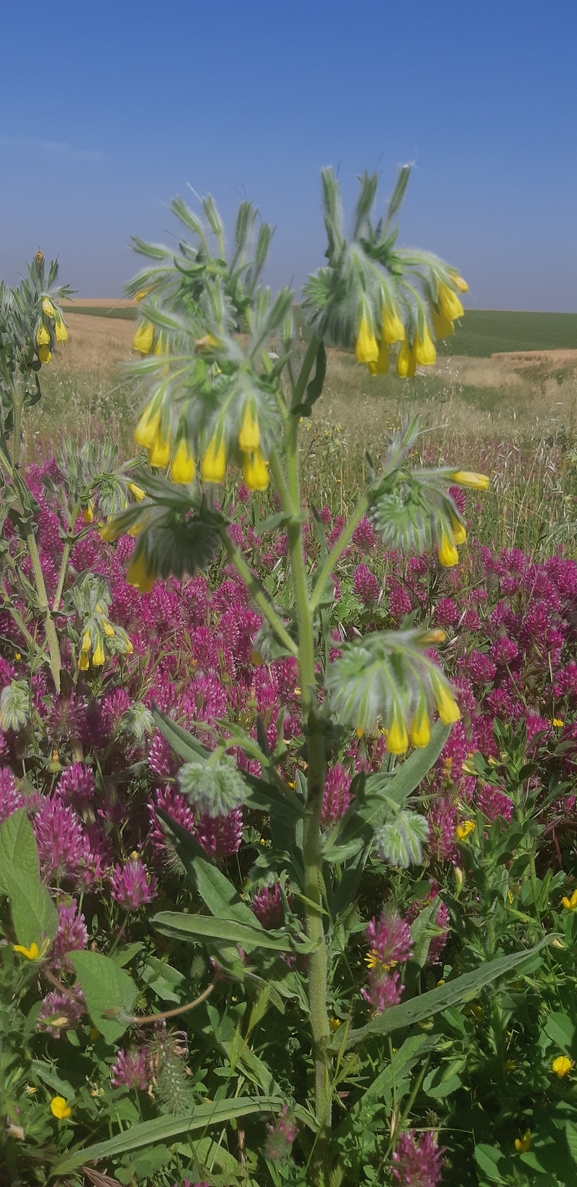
(110, 109)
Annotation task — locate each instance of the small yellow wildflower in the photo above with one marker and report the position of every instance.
(462, 830)
(406, 362)
(255, 471)
(366, 346)
(159, 454)
(108, 628)
(31, 953)
(42, 336)
(510, 1065)
(182, 466)
(447, 553)
(334, 1024)
(138, 575)
(61, 331)
(522, 1144)
(561, 1066)
(451, 307)
(424, 349)
(147, 428)
(47, 307)
(420, 731)
(447, 706)
(249, 436)
(98, 656)
(459, 283)
(381, 367)
(88, 512)
(59, 1108)
(442, 325)
(213, 465)
(44, 354)
(83, 661)
(397, 737)
(570, 904)
(143, 340)
(557, 722)
(470, 479)
(393, 328)
(137, 491)
(459, 531)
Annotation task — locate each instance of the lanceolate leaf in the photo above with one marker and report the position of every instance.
(453, 993)
(162, 1128)
(215, 889)
(205, 927)
(33, 912)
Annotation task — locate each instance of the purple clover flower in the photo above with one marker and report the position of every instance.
(63, 846)
(336, 796)
(417, 1161)
(268, 906)
(76, 784)
(366, 586)
(59, 1012)
(131, 1069)
(280, 1136)
(131, 885)
(71, 936)
(10, 798)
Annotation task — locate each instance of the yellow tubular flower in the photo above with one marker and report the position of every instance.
(381, 366)
(420, 732)
(182, 467)
(47, 307)
(424, 349)
(393, 328)
(44, 354)
(249, 436)
(447, 552)
(442, 325)
(138, 575)
(522, 1144)
(59, 1108)
(159, 453)
(470, 479)
(459, 283)
(98, 656)
(366, 346)
(144, 338)
(61, 332)
(255, 471)
(450, 305)
(83, 661)
(447, 707)
(88, 513)
(406, 365)
(561, 1066)
(142, 293)
(459, 531)
(146, 431)
(42, 336)
(213, 465)
(31, 953)
(108, 628)
(397, 738)
(137, 491)
(86, 641)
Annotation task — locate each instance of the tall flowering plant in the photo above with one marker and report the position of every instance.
(228, 382)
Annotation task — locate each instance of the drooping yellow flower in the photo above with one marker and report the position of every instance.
(522, 1144)
(450, 305)
(255, 471)
(47, 307)
(424, 349)
(42, 336)
(108, 628)
(98, 655)
(83, 661)
(459, 531)
(570, 904)
(138, 575)
(182, 466)
(561, 1066)
(463, 830)
(420, 731)
(86, 641)
(249, 436)
(31, 953)
(470, 479)
(61, 331)
(159, 453)
(406, 363)
(59, 1108)
(397, 737)
(144, 338)
(442, 325)
(88, 513)
(381, 366)
(393, 328)
(44, 354)
(146, 431)
(447, 707)
(137, 491)
(459, 283)
(142, 293)
(366, 346)
(213, 465)
(447, 552)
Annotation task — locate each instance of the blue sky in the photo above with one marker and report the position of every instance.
(110, 109)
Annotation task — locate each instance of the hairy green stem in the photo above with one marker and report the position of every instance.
(61, 576)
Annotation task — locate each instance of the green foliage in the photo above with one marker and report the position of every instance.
(33, 912)
(109, 992)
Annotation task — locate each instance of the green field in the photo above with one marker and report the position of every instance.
(123, 312)
(484, 332)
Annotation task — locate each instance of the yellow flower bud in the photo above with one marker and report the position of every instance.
(59, 1108)
(447, 707)
(44, 354)
(88, 513)
(144, 338)
(138, 575)
(561, 1066)
(249, 436)
(182, 467)
(393, 328)
(381, 366)
(42, 336)
(109, 531)
(83, 661)
(255, 471)
(213, 465)
(47, 307)
(366, 346)
(397, 737)
(159, 453)
(61, 331)
(98, 656)
(522, 1144)
(86, 641)
(424, 349)
(459, 283)
(459, 531)
(420, 732)
(570, 904)
(447, 552)
(470, 479)
(147, 428)
(462, 830)
(142, 293)
(406, 364)
(442, 325)
(451, 307)
(137, 491)
(31, 953)
(108, 628)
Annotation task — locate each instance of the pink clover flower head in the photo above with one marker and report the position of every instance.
(76, 783)
(459, 498)
(131, 885)
(446, 612)
(280, 1136)
(364, 536)
(383, 989)
(336, 796)
(366, 586)
(10, 798)
(220, 836)
(59, 1012)
(399, 601)
(417, 1161)
(504, 650)
(71, 936)
(268, 906)
(390, 941)
(130, 1069)
(63, 847)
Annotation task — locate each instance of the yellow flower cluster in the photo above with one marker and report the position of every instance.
(418, 733)
(456, 534)
(421, 351)
(93, 640)
(51, 328)
(151, 435)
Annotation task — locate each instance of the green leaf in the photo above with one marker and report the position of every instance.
(181, 741)
(106, 987)
(571, 1135)
(487, 1158)
(206, 927)
(215, 889)
(560, 1029)
(462, 989)
(33, 912)
(161, 1129)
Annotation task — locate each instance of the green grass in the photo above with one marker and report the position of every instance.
(483, 332)
(122, 312)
